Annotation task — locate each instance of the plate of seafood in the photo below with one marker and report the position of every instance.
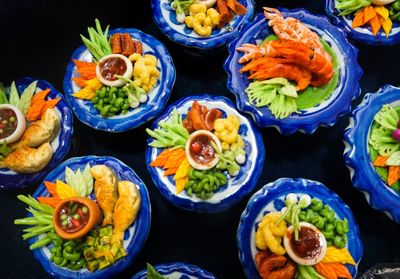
(88, 219)
(293, 70)
(173, 270)
(35, 131)
(202, 25)
(119, 79)
(203, 155)
(372, 149)
(373, 22)
(298, 228)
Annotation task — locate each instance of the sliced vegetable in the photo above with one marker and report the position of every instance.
(152, 273)
(98, 44)
(335, 255)
(333, 270)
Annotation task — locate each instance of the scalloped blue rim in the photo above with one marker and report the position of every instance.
(143, 220)
(205, 206)
(281, 187)
(357, 158)
(199, 43)
(369, 39)
(20, 180)
(150, 110)
(186, 269)
(306, 124)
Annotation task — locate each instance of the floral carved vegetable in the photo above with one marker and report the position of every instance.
(170, 133)
(97, 43)
(75, 217)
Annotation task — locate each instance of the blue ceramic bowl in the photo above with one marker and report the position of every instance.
(178, 271)
(237, 187)
(157, 97)
(357, 157)
(306, 121)
(271, 198)
(135, 235)
(362, 34)
(12, 180)
(165, 18)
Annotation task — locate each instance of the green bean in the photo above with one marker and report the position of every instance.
(102, 92)
(125, 106)
(118, 102)
(124, 111)
(114, 109)
(100, 103)
(70, 254)
(328, 234)
(317, 220)
(58, 260)
(316, 204)
(95, 100)
(40, 243)
(338, 242)
(105, 109)
(38, 231)
(35, 204)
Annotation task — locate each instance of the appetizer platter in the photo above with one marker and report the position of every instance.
(297, 228)
(88, 219)
(373, 22)
(173, 270)
(201, 25)
(119, 79)
(35, 131)
(372, 150)
(293, 71)
(203, 155)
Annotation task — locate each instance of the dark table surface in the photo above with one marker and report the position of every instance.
(37, 39)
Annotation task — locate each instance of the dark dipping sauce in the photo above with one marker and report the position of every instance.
(201, 149)
(112, 66)
(8, 122)
(73, 217)
(308, 244)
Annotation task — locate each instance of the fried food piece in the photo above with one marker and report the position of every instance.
(27, 159)
(271, 266)
(125, 210)
(105, 188)
(41, 131)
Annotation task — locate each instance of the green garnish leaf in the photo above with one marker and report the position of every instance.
(394, 159)
(4, 150)
(152, 273)
(26, 97)
(3, 96)
(14, 96)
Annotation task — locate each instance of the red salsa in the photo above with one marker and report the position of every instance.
(8, 122)
(307, 246)
(201, 149)
(112, 66)
(73, 216)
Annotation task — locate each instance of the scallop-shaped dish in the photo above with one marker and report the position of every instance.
(306, 109)
(178, 271)
(219, 186)
(270, 200)
(134, 236)
(166, 19)
(136, 113)
(364, 33)
(363, 139)
(21, 171)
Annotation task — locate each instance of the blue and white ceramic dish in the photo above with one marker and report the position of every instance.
(135, 236)
(362, 34)
(271, 198)
(157, 97)
(61, 143)
(165, 18)
(178, 271)
(237, 187)
(357, 154)
(306, 121)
